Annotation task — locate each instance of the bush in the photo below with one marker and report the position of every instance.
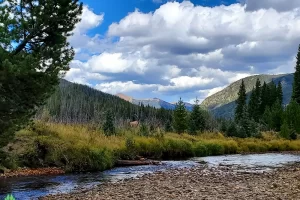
(200, 150)
(214, 149)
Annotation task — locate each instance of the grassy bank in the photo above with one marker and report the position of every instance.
(82, 148)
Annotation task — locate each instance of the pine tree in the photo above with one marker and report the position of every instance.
(168, 127)
(277, 116)
(264, 98)
(292, 115)
(34, 52)
(180, 117)
(196, 120)
(285, 130)
(241, 102)
(255, 101)
(280, 93)
(108, 127)
(273, 94)
(247, 126)
(252, 104)
(296, 84)
(232, 130)
(267, 118)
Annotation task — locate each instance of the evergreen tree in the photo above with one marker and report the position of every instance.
(168, 127)
(285, 130)
(196, 120)
(224, 126)
(264, 98)
(273, 94)
(252, 104)
(241, 102)
(180, 117)
(255, 101)
(247, 126)
(108, 127)
(34, 52)
(277, 116)
(232, 130)
(292, 115)
(280, 93)
(296, 84)
(267, 118)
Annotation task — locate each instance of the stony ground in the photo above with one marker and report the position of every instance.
(200, 183)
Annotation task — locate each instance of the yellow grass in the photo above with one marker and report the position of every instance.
(79, 147)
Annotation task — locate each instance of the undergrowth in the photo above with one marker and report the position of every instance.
(81, 148)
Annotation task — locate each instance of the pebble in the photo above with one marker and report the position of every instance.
(200, 183)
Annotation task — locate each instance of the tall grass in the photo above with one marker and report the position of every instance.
(82, 148)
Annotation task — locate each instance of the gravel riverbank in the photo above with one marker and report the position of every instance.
(223, 182)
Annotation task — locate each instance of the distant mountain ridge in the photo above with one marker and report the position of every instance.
(153, 102)
(222, 104)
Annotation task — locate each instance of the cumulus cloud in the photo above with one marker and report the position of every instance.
(188, 49)
(123, 87)
(84, 43)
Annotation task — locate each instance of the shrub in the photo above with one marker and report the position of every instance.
(200, 149)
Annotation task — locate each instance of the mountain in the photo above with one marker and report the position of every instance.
(153, 102)
(222, 104)
(75, 103)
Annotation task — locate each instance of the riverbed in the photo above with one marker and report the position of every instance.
(39, 186)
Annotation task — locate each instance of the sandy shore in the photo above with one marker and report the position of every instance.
(222, 182)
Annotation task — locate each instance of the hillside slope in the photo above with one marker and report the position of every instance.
(75, 103)
(222, 104)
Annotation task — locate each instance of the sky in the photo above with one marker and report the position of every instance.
(171, 49)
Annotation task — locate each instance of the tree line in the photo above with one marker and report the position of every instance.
(79, 104)
(264, 111)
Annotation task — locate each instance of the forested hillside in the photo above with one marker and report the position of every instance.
(75, 103)
(222, 104)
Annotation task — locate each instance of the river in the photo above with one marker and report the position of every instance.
(25, 188)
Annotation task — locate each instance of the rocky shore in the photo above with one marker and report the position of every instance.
(223, 182)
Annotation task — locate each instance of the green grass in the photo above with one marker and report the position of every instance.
(83, 148)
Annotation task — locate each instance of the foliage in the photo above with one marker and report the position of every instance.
(292, 115)
(109, 127)
(180, 117)
(34, 52)
(168, 126)
(79, 104)
(197, 122)
(144, 130)
(285, 130)
(80, 148)
(255, 101)
(241, 103)
(296, 85)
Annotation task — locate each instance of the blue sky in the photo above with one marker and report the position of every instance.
(188, 49)
(115, 10)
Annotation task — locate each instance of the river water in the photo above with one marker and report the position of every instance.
(25, 188)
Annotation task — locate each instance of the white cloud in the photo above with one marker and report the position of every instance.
(88, 21)
(185, 83)
(123, 87)
(188, 50)
(79, 73)
(80, 40)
